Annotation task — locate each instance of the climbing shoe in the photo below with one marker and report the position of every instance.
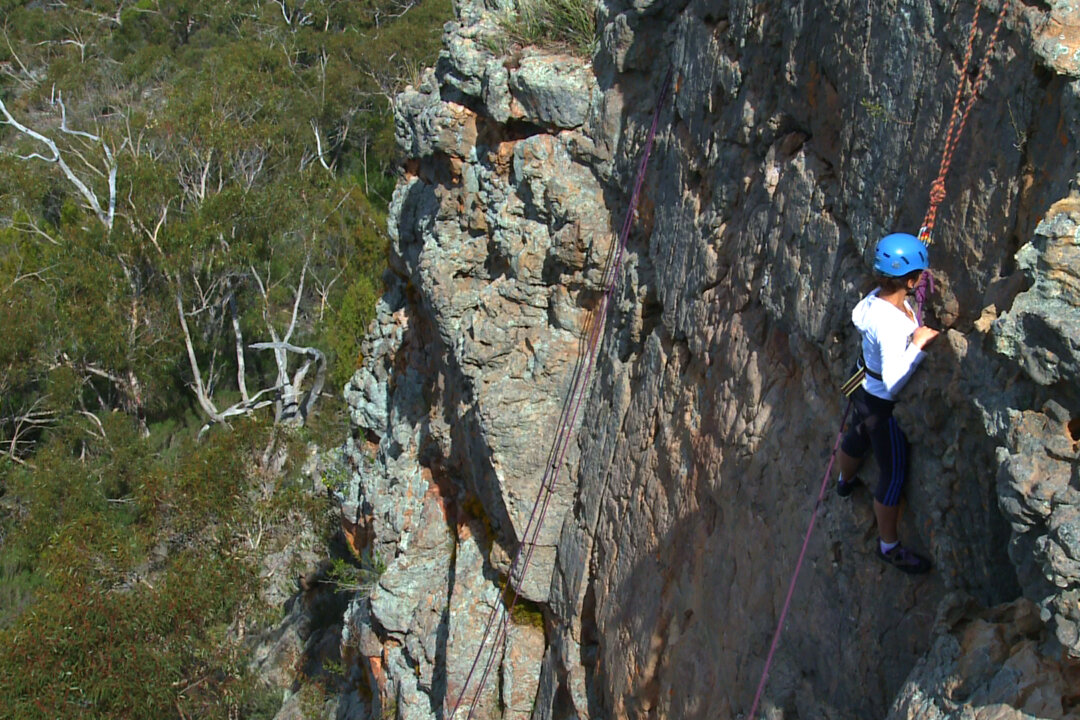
(844, 488)
(903, 559)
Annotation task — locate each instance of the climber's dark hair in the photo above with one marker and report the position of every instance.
(890, 284)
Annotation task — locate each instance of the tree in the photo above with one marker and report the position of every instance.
(292, 404)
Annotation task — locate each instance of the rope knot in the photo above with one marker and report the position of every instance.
(937, 191)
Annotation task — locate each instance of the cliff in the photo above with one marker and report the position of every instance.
(797, 135)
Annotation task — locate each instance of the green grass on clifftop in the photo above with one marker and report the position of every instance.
(554, 25)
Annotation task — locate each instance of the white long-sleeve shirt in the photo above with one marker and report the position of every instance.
(886, 344)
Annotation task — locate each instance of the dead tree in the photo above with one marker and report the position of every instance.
(19, 430)
(292, 401)
(105, 213)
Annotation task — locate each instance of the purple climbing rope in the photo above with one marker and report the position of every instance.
(798, 569)
(923, 290)
(576, 396)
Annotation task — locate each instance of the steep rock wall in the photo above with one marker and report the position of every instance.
(798, 134)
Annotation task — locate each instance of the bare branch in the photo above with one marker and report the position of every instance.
(240, 408)
(26, 276)
(76, 40)
(63, 121)
(7, 41)
(200, 392)
(101, 17)
(323, 290)
(293, 403)
(93, 370)
(205, 172)
(403, 6)
(101, 428)
(194, 173)
(296, 300)
(135, 146)
(318, 145)
(337, 207)
(206, 297)
(282, 345)
(248, 164)
(304, 406)
(27, 421)
(297, 17)
(86, 163)
(259, 282)
(238, 335)
(157, 228)
(31, 226)
(28, 82)
(106, 217)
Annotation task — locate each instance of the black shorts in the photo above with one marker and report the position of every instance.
(873, 425)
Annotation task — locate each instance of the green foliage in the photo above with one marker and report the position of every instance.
(361, 575)
(877, 111)
(348, 325)
(127, 653)
(522, 610)
(528, 614)
(8, 6)
(211, 110)
(18, 585)
(557, 24)
(127, 546)
(874, 109)
(131, 560)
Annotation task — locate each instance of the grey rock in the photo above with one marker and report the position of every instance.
(553, 91)
(683, 496)
(1042, 331)
(424, 125)
(521, 670)
(472, 601)
(1056, 37)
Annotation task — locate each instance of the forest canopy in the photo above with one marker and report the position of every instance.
(193, 199)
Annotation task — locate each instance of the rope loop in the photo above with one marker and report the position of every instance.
(937, 191)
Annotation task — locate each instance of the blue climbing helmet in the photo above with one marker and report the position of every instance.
(899, 254)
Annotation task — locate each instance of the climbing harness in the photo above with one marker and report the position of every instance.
(957, 121)
(923, 290)
(860, 372)
(575, 397)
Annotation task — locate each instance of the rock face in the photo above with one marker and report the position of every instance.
(995, 669)
(797, 135)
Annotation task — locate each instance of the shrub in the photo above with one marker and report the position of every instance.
(124, 574)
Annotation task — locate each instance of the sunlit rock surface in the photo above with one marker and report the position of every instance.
(797, 134)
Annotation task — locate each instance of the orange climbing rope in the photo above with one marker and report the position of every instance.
(958, 119)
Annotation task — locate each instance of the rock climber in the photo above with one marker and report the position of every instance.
(893, 345)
